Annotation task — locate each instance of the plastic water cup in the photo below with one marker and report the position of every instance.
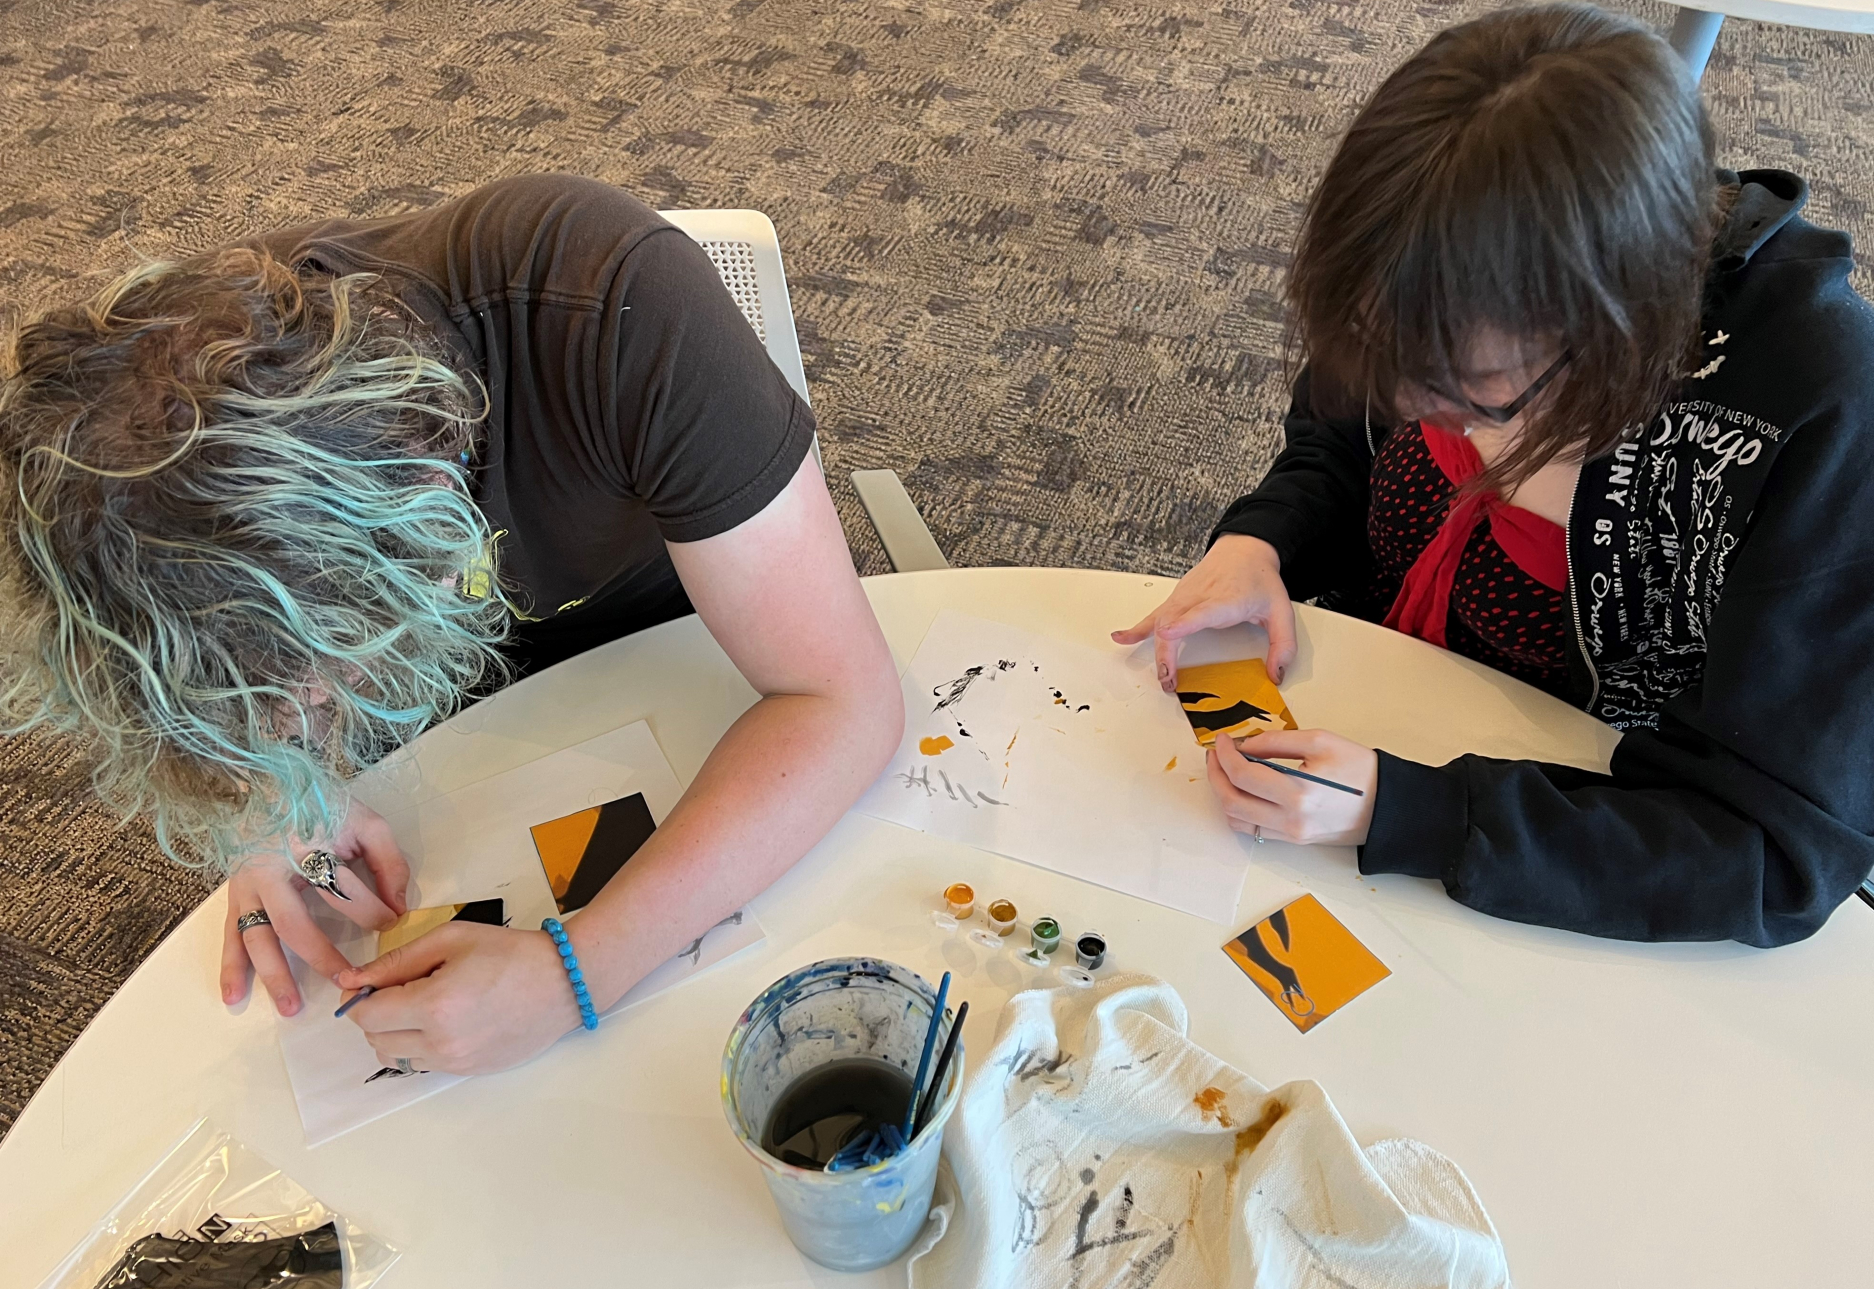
(833, 1011)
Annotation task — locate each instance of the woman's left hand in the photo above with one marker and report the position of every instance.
(1291, 809)
(465, 999)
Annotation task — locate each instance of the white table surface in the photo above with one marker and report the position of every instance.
(1632, 1115)
(1823, 15)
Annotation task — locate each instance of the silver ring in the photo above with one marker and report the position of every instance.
(404, 1066)
(248, 921)
(1259, 837)
(320, 869)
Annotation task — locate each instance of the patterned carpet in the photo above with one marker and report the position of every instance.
(1035, 249)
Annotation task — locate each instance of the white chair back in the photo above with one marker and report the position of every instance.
(747, 253)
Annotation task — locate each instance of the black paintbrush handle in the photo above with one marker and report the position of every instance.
(943, 1068)
(1300, 774)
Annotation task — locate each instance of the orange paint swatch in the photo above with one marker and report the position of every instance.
(934, 746)
(1306, 962)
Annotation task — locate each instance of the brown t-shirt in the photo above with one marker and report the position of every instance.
(630, 402)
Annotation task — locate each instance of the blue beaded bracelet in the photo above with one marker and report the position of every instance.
(588, 1014)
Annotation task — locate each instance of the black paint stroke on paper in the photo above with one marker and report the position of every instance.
(951, 692)
(920, 778)
(694, 949)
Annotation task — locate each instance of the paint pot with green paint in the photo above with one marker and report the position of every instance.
(857, 1012)
(1045, 934)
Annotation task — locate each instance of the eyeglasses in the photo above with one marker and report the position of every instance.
(1508, 412)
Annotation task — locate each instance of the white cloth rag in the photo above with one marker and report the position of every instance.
(1097, 1147)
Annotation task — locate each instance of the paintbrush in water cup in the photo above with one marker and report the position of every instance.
(937, 1074)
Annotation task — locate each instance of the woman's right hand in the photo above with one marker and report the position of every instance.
(270, 879)
(1238, 580)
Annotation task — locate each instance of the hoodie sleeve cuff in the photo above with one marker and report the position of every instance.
(1421, 816)
(1273, 522)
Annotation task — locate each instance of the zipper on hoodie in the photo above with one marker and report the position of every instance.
(1574, 603)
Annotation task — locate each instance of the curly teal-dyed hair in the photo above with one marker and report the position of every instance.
(235, 536)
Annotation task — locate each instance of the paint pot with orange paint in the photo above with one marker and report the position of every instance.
(1001, 915)
(960, 899)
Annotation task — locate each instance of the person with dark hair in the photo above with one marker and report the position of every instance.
(272, 510)
(1579, 405)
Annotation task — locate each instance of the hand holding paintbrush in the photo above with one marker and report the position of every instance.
(1328, 803)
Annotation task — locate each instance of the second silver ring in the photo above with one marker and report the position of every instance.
(320, 869)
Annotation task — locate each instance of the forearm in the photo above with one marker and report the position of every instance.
(1668, 847)
(778, 780)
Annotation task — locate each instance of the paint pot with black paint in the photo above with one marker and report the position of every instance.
(835, 1011)
(1090, 950)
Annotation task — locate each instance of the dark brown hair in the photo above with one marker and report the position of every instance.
(1543, 172)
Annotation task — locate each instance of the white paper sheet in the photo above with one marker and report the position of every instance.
(1061, 755)
(468, 845)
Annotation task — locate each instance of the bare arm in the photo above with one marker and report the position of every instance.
(780, 596)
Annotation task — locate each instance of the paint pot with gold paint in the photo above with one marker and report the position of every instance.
(1001, 915)
(960, 899)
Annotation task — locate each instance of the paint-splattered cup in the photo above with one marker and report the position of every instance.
(831, 1011)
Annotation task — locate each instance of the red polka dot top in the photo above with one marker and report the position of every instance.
(1481, 578)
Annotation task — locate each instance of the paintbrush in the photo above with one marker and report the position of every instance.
(875, 1145)
(1292, 772)
(943, 1067)
(923, 1062)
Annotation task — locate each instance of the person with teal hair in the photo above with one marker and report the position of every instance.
(269, 511)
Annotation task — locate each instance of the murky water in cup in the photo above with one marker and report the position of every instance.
(838, 1010)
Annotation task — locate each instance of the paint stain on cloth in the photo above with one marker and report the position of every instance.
(1209, 1103)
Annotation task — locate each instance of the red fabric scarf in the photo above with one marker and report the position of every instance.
(1534, 544)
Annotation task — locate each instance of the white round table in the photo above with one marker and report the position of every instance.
(1633, 1114)
(1695, 28)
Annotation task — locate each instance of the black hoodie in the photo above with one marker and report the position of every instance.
(1721, 581)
